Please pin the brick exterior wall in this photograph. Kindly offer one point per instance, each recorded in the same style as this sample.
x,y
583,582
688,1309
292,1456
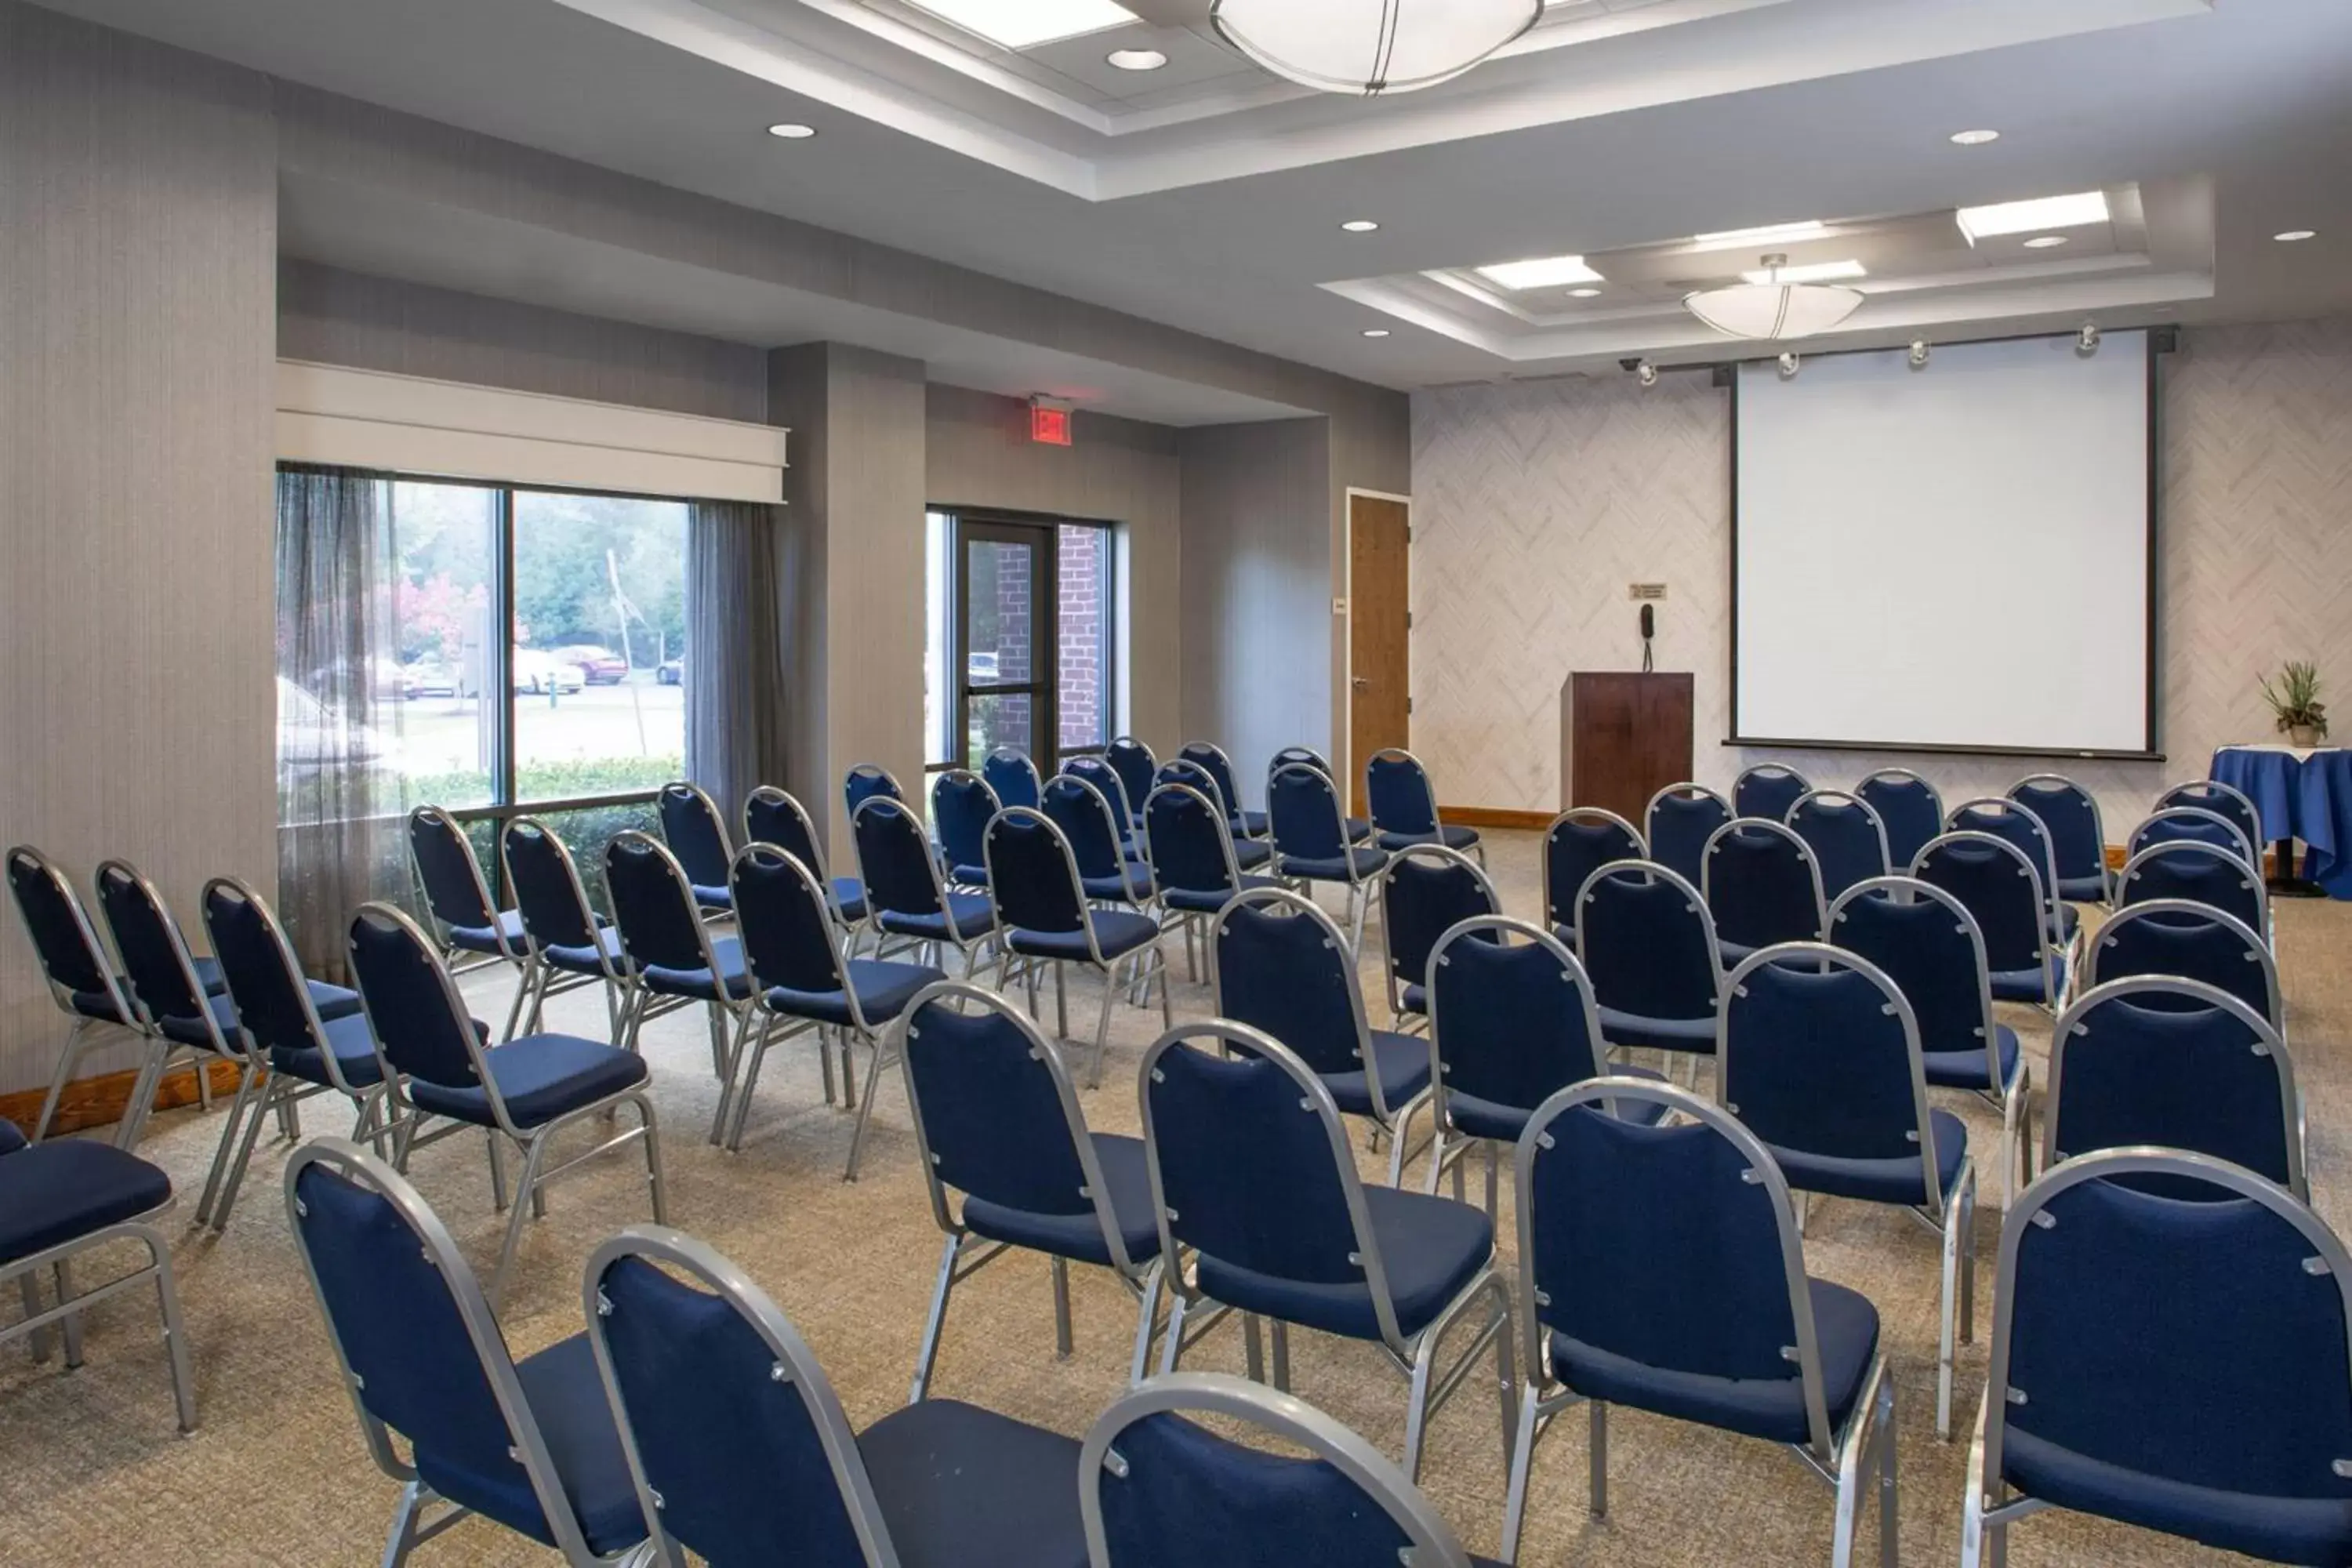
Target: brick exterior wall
x,y
1084,563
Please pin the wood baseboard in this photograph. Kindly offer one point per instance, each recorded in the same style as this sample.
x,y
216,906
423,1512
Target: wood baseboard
x,y
100,1100
1497,817
2116,858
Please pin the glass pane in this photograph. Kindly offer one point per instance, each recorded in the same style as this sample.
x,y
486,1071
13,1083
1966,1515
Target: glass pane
x,y
445,600
999,613
1082,633
1009,719
939,640
599,643
587,830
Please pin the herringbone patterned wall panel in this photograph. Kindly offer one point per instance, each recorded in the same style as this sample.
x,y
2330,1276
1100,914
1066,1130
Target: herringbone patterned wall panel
x,y
1536,504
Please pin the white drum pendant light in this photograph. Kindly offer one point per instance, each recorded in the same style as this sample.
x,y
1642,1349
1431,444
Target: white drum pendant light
x,y
1771,310
1372,46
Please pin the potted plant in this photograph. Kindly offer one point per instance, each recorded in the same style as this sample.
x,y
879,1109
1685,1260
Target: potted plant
x,y
2302,716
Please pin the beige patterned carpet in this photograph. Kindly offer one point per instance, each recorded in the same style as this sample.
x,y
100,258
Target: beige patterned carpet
x,y
92,1471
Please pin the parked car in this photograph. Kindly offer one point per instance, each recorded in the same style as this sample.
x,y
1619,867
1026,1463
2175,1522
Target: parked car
x,y
537,671
671,672
428,677
315,738
979,666
597,666
386,680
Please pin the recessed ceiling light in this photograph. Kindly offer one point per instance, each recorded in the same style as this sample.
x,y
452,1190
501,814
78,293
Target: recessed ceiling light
x,y
1376,331
2045,241
1359,226
1583,293
1744,238
1137,59
1974,138
1024,23
1542,272
1813,272
792,131
2025,217
2293,234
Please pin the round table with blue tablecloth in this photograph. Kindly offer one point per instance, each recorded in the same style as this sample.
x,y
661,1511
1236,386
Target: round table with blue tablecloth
x,y
2301,794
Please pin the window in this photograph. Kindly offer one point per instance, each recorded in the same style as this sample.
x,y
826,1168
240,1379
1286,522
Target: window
x,y
1019,637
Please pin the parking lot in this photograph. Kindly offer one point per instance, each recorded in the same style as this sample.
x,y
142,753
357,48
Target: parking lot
x,y
638,718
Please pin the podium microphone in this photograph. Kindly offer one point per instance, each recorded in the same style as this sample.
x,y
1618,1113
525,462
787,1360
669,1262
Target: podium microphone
x,y
1649,630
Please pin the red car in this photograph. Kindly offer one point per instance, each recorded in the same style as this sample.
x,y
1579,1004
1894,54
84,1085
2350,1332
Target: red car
x,y
598,665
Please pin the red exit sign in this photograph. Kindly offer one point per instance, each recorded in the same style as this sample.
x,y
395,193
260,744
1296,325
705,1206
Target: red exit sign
x,y
1049,423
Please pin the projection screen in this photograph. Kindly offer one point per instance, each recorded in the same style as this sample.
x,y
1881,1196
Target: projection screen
x,y
1952,557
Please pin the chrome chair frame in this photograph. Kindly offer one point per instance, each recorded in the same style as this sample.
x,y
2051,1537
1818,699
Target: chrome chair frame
x,y
1843,797
1543,855
540,979
442,821
1694,903
2056,961
731,1017
1011,755
977,950
2137,840
947,859
711,814
1193,751
1406,1022
2098,826
77,1042
1194,923
1770,829
2045,871
162,1054
1768,770
2267,928
1901,778
1358,886
2203,792
774,797
2257,949
1429,790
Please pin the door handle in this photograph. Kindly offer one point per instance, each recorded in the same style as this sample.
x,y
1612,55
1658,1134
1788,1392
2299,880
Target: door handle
x,y
1361,684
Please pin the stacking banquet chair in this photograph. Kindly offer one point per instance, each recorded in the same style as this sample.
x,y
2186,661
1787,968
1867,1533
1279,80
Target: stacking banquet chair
x,y
962,805
1511,1024
291,1053
1106,870
1999,887
733,1446
1012,775
567,946
2177,1366
2191,824
81,978
1281,966
1159,1491
2020,824
1404,805
2226,800
1424,891
1249,854
1128,810
1925,940
1310,841
524,1092
1041,905
1279,1226
1137,768
1210,757
864,783
2077,840
800,981
1580,841
771,816
696,836
1679,821
1193,862
457,897
1908,806
1648,947
1762,885
1359,829
1661,1268
1848,840
674,961
1820,1059
2192,942
997,1120
60,1200
2201,874
904,891
1767,790
528,1445
2174,1064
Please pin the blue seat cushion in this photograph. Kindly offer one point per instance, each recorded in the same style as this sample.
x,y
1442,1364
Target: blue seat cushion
x,y
972,875
1117,933
354,1048
1504,1123
726,952
1735,954
1403,1061
209,975
1080,1235
1430,1247
1135,883
971,914
588,960
51,1192
961,1486
1357,829
2091,889
1845,1327
539,1076
1248,823
1899,1180
331,1002
1447,833
1249,854
1633,1031
713,896
850,894
2271,1529
1356,865
1966,1069
12,1137
97,1005
486,939
1199,901
1414,997
884,988
2020,985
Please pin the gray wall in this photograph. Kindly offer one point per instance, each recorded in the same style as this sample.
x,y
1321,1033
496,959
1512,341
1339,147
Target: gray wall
x,y
138,254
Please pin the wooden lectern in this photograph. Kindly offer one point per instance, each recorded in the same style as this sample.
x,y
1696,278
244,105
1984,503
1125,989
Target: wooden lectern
x,y
1622,738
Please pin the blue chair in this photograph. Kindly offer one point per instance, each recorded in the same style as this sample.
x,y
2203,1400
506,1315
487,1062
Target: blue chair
x,y
457,897
2163,1062
1679,821
1136,767
869,780
1648,947
996,1119
1193,864
525,1093
1106,780
1908,806
1511,1024
1359,829
1761,886
2077,840
1282,966
528,1445
674,961
961,805
1999,887
1279,1225
771,816
1925,940
1848,840
82,979
905,892
1013,777
1820,1059
2199,874
2192,825
1041,903
1661,1268
1404,805
2176,1366
696,836
1309,830
2227,800
1159,1491
1249,854
567,946
2193,942
801,980
1211,758
1580,841
738,1449
1108,872
60,1200
1767,790
2018,824
1426,890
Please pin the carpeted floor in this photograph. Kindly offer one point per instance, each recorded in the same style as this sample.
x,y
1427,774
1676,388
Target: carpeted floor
x,y
91,1470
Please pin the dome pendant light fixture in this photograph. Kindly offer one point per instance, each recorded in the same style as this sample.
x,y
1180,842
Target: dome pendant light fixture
x,y
1771,310
1366,48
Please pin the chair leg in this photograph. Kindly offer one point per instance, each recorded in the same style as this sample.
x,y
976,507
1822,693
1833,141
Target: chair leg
x,y
29,1285
255,1118
143,1090
1167,1008
1173,1348
71,1323
1515,1492
865,1111
1944,1348
67,1056
1417,1409
1253,1349
1890,1537
1597,1461
175,1334
1983,1544
1145,1321
1102,1024
1061,1309
657,1190
497,1171
514,1008
1062,999
824,1062
403,1525
1278,1338
750,1058
523,1210
247,1078
929,1353
848,1070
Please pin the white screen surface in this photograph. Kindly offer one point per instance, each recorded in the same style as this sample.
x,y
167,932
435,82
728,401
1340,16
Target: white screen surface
x,y
1954,555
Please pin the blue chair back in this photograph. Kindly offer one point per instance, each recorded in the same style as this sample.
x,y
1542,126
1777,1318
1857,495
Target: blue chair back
x,y
2227,800
1135,764
866,782
1909,807
1646,943
1848,840
962,804
653,906
1090,825
1307,755
773,816
2077,840
1188,841
1925,940
1998,886
2193,942
893,859
1192,775
2201,874
154,955
2017,824
1820,1052
548,894
1111,787
696,833
1762,885
1304,814
455,889
420,1023
67,948
1013,777
265,982
1580,841
1399,794
2190,824
1424,891
1033,877
1282,966
1210,757
785,922
1680,820
1511,1016
1767,790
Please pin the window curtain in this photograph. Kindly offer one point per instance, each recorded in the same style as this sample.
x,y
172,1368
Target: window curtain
x,y
340,837
734,654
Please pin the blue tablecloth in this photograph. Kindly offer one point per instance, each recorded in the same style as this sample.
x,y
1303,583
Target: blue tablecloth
x,y
2308,798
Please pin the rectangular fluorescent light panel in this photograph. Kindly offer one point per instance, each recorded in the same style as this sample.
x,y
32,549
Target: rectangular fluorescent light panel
x,y
1741,238
2034,216
1544,272
1812,272
1024,23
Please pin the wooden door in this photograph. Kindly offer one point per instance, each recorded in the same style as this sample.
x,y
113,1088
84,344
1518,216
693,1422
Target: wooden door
x,y
1380,705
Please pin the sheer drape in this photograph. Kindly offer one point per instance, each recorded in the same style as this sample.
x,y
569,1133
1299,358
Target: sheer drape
x,y
734,659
